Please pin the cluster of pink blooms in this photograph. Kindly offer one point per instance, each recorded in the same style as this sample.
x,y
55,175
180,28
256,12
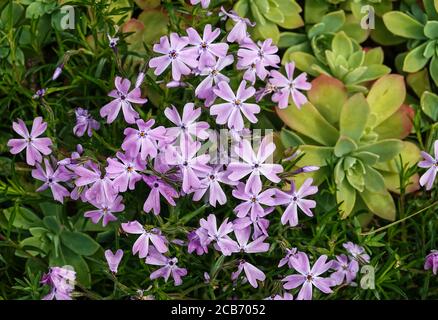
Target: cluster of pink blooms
x,y
61,282
168,160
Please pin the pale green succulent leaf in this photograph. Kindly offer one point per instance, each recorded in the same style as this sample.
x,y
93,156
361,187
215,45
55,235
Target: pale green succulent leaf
x,y
373,72
415,59
342,45
429,104
431,29
354,117
381,204
346,197
374,180
309,122
356,179
303,61
403,25
344,146
386,96
315,155
433,69
374,56
367,158
385,149
328,95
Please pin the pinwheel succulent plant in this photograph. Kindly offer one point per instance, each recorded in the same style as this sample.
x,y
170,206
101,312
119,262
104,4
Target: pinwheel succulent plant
x,y
421,29
343,58
269,15
357,139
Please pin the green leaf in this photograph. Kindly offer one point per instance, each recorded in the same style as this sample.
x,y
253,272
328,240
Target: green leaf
x,y
431,29
315,155
342,45
356,178
23,218
373,72
385,149
354,117
381,204
401,24
367,158
415,59
290,139
268,30
275,15
346,196
429,105
303,61
79,243
289,39
309,122
291,11
52,224
386,96
241,8
397,126
344,146
374,180
382,35
433,69
328,95
419,81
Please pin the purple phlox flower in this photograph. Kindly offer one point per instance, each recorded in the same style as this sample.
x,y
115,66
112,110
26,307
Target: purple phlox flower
x,y
258,57
194,242
305,169
57,72
256,246
206,277
175,54
112,41
238,33
204,48
144,140
71,162
176,84
431,163
255,165
345,269
52,178
222,242
190,165
295,199
211,184
239,135
122,100
62,282
178,242
357,252
231,111
34,146
291,254
84,123
105,210
125,173
99,187
204,3
168,267
262,92
252,200
142,245
140,79
432,261
309,277
39,93
213,76
259,224
113,259
252,273
289,87
186,125
285,296
158,187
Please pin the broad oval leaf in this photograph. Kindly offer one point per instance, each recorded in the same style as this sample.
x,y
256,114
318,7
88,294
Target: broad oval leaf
x,y
79,243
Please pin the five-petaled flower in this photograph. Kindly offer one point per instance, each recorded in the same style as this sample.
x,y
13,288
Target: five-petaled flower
x,y
142,245
122,100
52,179
34,146
431,163
286,87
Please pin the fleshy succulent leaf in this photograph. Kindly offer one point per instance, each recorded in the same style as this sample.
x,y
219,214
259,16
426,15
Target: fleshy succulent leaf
x,y
403,25
386,96
380,203
429,105
344,146
398,125
354,117
346,196
328,95
309,122
385,149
